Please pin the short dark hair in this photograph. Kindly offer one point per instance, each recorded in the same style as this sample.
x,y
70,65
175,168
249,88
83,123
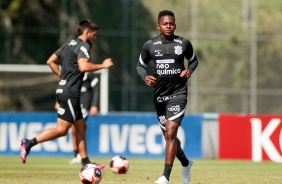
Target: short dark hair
x,y
86,24
164,13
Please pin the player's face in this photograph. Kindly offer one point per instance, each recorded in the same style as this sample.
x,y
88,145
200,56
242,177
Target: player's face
x,y
166,25
91,37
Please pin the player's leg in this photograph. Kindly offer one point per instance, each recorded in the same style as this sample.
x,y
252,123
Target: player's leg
x,y
77,158
73,140
181,155
171,141
175,113
80,128
185,162
160,107
80,132
170,146
170,133
66,117
60,130
80,125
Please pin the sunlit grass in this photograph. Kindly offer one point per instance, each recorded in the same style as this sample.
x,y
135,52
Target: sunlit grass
x,y
46,170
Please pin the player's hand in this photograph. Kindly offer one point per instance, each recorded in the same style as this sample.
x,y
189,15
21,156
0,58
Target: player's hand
x,y
186,73
107,62
93,110
56,106
150,80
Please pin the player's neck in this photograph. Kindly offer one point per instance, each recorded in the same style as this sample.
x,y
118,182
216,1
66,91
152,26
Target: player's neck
x,y
170,37
83,37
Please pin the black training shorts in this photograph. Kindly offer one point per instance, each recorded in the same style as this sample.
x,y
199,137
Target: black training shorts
x,y
170,108
70,108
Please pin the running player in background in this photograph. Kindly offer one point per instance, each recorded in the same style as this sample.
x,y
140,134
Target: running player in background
x,y
166,52
89,99
75,61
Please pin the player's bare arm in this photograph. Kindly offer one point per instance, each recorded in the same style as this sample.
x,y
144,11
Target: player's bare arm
x,y
53,64
85,65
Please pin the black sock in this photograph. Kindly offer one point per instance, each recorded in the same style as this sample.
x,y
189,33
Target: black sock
x,y
30,143
33,142
75,152
85,161
167,170
183,159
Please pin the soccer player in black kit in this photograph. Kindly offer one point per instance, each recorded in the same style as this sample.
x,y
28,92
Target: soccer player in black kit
x,y
167,52
89,98
75,61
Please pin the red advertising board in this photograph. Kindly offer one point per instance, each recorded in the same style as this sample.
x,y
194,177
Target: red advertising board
x,y
253,137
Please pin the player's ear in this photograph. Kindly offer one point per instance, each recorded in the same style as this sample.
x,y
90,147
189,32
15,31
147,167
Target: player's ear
x,y
87,33
158,26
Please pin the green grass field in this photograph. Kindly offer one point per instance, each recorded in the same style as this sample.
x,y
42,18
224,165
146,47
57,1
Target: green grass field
x,y
46,170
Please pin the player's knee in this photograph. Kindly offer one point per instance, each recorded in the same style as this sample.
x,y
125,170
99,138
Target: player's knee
x,y
81,129
63,132
170,137
170,134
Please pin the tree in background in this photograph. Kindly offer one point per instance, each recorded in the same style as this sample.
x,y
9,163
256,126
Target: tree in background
x,y
222,43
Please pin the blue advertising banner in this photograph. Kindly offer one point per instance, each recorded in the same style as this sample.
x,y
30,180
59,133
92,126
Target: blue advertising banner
x,y
127,134
15,126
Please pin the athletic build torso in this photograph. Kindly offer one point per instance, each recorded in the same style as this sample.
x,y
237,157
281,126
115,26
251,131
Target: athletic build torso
x,y
167,62
71,77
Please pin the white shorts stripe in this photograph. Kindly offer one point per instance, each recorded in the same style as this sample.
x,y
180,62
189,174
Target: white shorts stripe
x,y
71,109
177,115
162,126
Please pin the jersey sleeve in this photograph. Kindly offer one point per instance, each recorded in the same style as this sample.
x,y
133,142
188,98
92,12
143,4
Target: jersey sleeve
x,y
58,52
144,59
83,51
190,55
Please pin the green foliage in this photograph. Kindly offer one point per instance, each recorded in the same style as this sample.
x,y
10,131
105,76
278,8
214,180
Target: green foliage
x,y
32,30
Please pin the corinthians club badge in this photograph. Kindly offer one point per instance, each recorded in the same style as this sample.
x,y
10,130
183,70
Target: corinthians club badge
x,y
178,50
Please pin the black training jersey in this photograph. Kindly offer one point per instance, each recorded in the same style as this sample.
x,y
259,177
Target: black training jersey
x,y
167,61
71,77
